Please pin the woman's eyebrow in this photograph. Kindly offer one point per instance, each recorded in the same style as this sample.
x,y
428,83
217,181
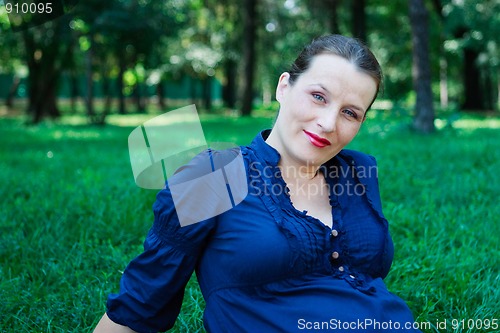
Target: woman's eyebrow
x,y
321,86
358,108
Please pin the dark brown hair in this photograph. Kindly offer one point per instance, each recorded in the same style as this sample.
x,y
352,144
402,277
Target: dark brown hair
x,y
351,49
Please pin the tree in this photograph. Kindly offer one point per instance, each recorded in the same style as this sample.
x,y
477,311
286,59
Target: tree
x,y
227,17
119,40
472,30
90,27
333,25
47,49
424,110
327,12
285,29
11,51
249,54
358,20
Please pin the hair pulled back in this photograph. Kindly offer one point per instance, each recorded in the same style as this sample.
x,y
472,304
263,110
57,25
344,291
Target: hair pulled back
x,y
351,49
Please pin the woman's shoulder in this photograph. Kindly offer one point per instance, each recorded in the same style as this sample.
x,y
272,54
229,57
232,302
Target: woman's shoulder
x,y
213,182
205,163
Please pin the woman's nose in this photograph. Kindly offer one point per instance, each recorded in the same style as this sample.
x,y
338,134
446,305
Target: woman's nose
x,y
328,119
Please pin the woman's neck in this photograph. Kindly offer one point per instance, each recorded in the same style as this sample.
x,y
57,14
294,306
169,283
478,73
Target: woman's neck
x,y
297,171
291,168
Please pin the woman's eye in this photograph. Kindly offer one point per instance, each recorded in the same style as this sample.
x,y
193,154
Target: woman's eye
x,y
351,113
318,97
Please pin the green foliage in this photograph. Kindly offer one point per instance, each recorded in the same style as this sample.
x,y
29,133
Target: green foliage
x,y
393,49
156,40
72,218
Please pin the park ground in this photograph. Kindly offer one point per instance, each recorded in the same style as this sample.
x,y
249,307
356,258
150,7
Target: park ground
x,y
72,217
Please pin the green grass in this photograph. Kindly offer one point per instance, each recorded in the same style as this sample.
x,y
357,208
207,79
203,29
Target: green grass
x,y
72,218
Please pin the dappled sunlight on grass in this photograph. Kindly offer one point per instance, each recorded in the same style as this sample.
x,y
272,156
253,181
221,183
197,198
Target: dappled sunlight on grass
x,y
474,123
382,123
130,120
73,134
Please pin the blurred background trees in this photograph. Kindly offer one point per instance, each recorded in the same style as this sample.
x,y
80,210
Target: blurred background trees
x,y
130,55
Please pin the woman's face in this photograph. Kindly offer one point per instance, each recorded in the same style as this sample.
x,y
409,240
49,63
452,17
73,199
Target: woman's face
x,y
322,111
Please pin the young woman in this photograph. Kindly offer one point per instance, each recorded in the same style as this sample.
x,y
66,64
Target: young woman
x,y
308,247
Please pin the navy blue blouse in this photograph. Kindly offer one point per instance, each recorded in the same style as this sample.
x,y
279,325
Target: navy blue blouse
x,y
264,266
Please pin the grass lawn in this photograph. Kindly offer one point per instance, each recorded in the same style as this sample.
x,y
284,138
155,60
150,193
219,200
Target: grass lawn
x,y
72,218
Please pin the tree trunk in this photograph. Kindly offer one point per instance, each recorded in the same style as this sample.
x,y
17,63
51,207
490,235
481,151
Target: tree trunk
x,y
160,92
207,93
9,101
443,81
333,23
443,62
89,96
229,89
42,100
121,73
106,89
138,98
424,110
249,55
359,19
33,73
489,91
43,76
498,89
472,81
326,11
51,98
74,90
192,89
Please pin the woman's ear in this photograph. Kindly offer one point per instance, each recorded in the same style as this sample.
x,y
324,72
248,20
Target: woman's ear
x,y
283,83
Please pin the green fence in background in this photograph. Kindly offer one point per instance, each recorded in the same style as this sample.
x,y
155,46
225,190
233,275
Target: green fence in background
x,y
184,88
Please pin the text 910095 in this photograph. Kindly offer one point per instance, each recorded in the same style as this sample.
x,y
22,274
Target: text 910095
x,y
24,14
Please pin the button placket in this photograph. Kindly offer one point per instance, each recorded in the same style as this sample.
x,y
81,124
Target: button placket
x,y
335,251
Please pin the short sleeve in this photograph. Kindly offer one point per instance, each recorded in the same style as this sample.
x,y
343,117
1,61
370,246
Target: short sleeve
x,y
152,285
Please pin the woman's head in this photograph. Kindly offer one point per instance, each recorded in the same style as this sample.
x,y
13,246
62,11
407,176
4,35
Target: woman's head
x,y
324,99
348,48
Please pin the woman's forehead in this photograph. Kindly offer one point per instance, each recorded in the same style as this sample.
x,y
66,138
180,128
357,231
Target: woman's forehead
x,y
335,74
330,69
325,65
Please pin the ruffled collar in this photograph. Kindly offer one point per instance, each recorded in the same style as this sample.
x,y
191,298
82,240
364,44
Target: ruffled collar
x,y
264,150
271,156
344,160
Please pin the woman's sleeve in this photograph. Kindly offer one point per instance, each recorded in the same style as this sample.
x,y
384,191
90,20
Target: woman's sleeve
x,y
152,285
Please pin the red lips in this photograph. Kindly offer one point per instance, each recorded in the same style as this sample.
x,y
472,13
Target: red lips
x,y
317,140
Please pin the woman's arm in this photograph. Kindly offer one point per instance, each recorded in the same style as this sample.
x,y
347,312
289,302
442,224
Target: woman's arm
x,y
106,325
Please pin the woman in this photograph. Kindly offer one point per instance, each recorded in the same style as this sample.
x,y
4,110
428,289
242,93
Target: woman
x,y
308,247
